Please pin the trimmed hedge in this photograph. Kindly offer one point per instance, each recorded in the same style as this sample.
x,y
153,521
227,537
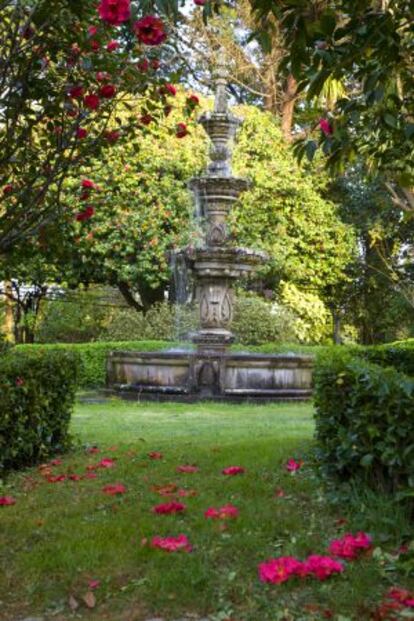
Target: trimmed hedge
x,y
92,356
399,355
37,395
365,419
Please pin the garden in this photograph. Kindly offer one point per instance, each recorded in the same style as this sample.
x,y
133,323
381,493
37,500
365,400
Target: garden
x,y
207,400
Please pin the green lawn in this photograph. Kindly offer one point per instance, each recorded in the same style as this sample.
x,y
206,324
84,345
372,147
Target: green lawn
x,y
59,536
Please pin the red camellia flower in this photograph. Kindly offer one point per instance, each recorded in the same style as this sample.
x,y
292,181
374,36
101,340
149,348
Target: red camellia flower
x,y
8,189
102,76
19,381
81,216
155,64
58,478
326,127
94,584
107,462
81,133
114,12
146,119
112,46
92,31
76,92
114,489
278,570
155,455
150,30
200,2
91,101
233,470
227,511
181,130
95,45
143,65
75,477
169,88
169,507
172,544
7,501
292,465
107,91
187,468
349,546
88,184
321,567
112,135
193,100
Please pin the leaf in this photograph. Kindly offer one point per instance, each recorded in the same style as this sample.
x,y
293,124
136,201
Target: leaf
x,y
89,599
73,603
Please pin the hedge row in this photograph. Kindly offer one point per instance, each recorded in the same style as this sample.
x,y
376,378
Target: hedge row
x,y
37,390
92,356
365,417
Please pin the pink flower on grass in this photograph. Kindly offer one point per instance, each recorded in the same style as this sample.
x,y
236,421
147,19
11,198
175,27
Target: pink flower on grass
x,y
278,570
94,584
321,567
59,478
187,468
185,493
233,470
7,501
349,546
155,455
114,489
222,513
325,127
172,544
292,465
75,477
168,508
107,462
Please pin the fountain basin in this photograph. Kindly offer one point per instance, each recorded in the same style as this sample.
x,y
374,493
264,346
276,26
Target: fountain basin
x,y
195,375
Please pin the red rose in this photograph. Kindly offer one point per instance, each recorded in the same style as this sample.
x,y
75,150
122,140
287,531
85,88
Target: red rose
x,y
146,119
76,92
114,12
181,130
112,135
92,102
107,91
150,30
112,46
81,133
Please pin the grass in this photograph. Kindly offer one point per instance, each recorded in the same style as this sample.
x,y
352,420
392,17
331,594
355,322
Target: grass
x,y
57,537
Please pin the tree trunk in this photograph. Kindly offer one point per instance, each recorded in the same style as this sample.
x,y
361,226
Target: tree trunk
x,y
288,107
336,317
8,327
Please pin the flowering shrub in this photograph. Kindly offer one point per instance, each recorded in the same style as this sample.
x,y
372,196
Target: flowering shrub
x,y
37,391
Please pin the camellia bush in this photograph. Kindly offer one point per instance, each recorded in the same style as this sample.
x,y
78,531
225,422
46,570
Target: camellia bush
x,y
68,67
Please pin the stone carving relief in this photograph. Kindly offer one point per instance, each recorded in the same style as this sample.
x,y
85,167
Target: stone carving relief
x,y
216,306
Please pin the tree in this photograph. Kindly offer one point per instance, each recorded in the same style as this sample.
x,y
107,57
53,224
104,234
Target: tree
x,y
64,70
369,45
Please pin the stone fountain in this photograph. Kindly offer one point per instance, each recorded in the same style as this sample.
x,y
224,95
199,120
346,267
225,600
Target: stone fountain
x,y
211,370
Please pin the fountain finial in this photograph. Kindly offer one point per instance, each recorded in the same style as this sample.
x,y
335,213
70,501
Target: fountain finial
x,y
221,79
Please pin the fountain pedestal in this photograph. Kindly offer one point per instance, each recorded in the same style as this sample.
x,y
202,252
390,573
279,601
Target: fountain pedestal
x,y
212,371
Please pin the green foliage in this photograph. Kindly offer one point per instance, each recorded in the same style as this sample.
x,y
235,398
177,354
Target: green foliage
x,y
283,213
399,355
364,421
92,356
73,317
313,322
37,394
257,321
